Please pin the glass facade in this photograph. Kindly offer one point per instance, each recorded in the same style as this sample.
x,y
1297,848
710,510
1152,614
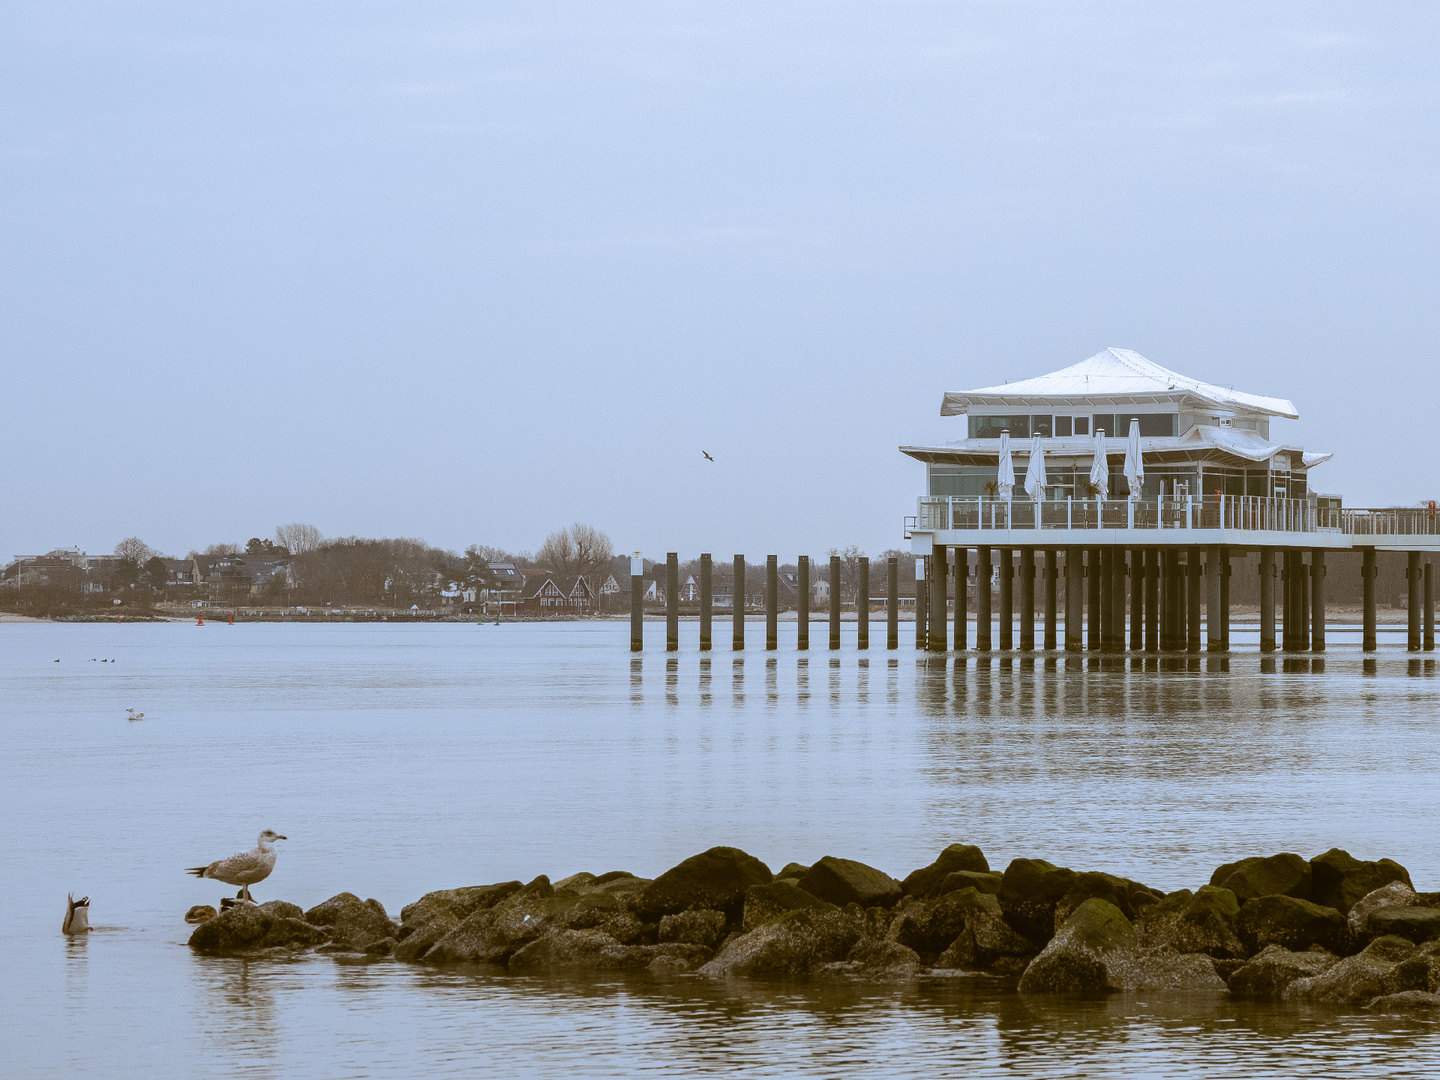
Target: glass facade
x,y
1046,425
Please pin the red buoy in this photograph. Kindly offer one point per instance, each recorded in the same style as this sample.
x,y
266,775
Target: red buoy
x,y
200,619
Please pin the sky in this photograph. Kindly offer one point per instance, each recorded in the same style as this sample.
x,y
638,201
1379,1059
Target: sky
x,y
473,271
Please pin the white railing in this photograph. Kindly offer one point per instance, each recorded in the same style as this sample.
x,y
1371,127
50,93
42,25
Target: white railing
x,y
1391,521
1234,512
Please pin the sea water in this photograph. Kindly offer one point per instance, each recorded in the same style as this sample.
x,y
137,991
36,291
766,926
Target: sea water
x,y
401,758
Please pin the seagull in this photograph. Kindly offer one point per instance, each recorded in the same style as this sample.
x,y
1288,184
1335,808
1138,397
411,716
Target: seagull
x,y
707,456
134,715
245,869
77,915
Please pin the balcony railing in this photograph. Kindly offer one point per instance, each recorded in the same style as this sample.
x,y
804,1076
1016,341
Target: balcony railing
x,y
1241,513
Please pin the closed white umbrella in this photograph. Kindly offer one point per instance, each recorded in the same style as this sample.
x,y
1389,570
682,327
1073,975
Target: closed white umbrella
x,y
1006,479
1134,460
1100,468
1035,478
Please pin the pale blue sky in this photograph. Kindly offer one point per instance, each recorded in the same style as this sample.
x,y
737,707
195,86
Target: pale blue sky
x,y
472,271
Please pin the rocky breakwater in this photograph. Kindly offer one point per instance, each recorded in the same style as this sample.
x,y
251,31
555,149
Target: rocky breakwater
x,y
1331,929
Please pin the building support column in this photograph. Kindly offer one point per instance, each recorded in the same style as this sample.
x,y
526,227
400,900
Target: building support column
x,y
737,606
1092,599
962,598
802,602
1287,600
922,605
1050,622
1107,598
1225,598
982,599
1137,599
892,603
1007,599
772,602
672,602
1267,600
1212,600
1152,601
1429,626
1302,603
1367,587
862,605
1413,601
637,603
1027,599
1074,600
836,595
1192,601
1317,600
1169,558
1120,581
707,601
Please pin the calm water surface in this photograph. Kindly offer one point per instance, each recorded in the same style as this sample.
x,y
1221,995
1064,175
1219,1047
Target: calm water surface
x,y
404,758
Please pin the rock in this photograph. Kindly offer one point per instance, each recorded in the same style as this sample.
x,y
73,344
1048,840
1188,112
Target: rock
x,y
1406,1001
845,881
794,944
1129,896
1417,924
1361,978
791,870
766,903
568,949
930,926
698,926
1285,874
1029,892
876,960
968,879
1201,922
1341,881
1395,894
1268,974
282,909
416,941
246,929
1073,962
383,947
985,939
619,875
1422,969
714,879
1295,924
927,881
576,881
199,913
1162,969
628,930
351,921
458,903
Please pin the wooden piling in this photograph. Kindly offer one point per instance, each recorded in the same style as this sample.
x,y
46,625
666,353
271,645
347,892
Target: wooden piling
x,y
772,602
1225,598
707,601
1027,599
1118,581
862,605
1007,599
1212,600
1107,598
982,599
835,604
1092,599
1192,600
1317,600
672,602
1074,599
1051,573
922,605
1413,600
637,603
802,601
892,603
1302,603
938,611
1152,601
1137,599
737,606
962,598
1367,586
1429,619
1267,600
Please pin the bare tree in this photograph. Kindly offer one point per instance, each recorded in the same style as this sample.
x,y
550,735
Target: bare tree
x,y
135,550
849,570
298,538
580,549
220,551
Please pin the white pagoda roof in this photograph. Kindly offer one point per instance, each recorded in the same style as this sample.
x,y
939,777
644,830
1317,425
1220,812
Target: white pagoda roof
x,y
1118,376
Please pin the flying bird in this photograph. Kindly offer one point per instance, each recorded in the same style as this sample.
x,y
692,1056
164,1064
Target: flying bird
x,y
245,869
707,455
77,915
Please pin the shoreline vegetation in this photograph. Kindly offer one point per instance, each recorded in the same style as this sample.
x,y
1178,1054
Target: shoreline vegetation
x,y
1332,929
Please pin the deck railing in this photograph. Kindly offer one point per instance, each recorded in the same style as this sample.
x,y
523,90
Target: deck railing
x,y
1242,513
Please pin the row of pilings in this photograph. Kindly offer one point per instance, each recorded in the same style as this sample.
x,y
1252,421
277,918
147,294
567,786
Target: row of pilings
x,y
1144,599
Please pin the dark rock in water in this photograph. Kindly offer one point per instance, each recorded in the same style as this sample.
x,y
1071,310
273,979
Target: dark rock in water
x,y
282,909
1361,978
930,927
845,881
1226,968
351,921
1268,974
1395,894
927,881
435,914
569,949
876,960
1286,874
1201,922
617,875
1341,881
1129,896
796,943
1029,892
199,913
1422,968
1073,962
969,879
247,929
1417,924
766,903
698,926
714,879
791,870
628,930
985,939
383,947
1295,924
1406,1001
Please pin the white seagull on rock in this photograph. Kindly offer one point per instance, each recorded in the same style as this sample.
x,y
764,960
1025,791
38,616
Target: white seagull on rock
x,y
246,868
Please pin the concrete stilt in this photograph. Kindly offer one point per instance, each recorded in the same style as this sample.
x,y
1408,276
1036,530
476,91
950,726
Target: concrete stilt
x,y
772,602
1092,599
862,605
1212,600
737,606
1119,582
637,603
1287,600
982,599
1413,600
672,602
892,603
1317,600
962,598
1027,599
1192,601
1225,598
1007,599
836,601
1050,606
1267,600
1367,586
1074,599
707,601
922,606
1107,598
802,602
1137,599
1429,620
1152,601
1302,603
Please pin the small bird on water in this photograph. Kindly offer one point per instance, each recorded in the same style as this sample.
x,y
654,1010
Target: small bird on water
x,y
77,915
244,869
134,715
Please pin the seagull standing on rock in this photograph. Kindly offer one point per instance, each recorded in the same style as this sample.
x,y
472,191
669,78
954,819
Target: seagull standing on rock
x,y
244,869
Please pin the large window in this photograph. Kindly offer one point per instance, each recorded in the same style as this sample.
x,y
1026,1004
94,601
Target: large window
x,y
1046,425
962,481
989,427
1152,425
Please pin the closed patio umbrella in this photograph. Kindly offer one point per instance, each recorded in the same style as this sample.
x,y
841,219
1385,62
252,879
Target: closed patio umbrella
x,y
1035,479
1134,461
1100,468
1006,479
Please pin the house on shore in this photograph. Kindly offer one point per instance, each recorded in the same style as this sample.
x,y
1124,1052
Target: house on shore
x,y
553,595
